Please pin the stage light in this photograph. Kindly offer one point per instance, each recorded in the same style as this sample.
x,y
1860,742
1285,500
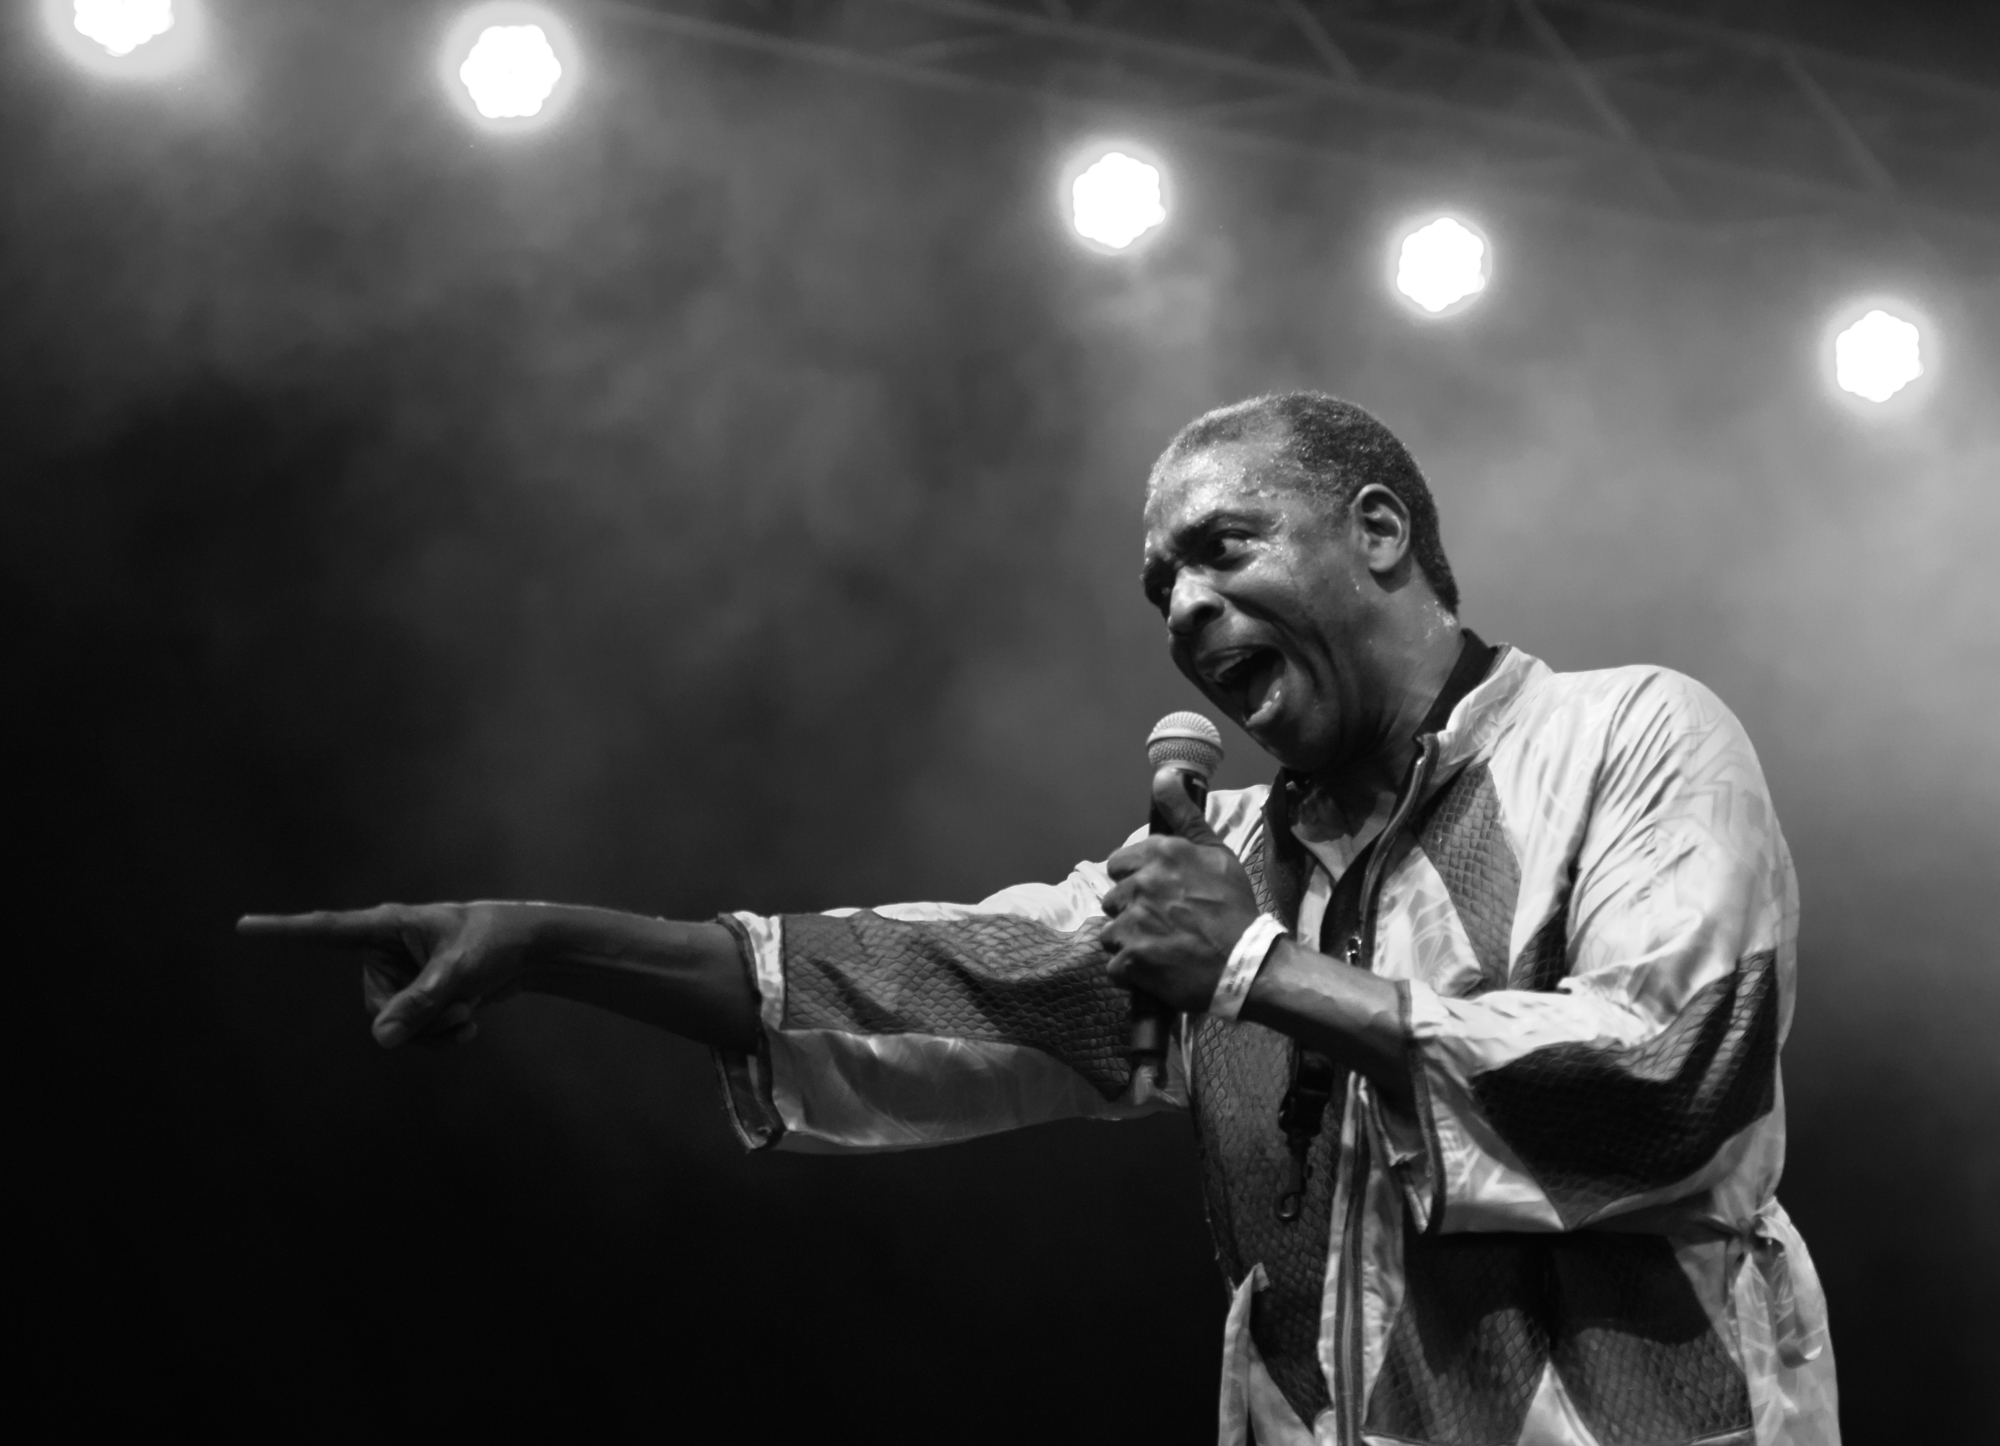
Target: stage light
x,y
1442,265
1878,356
122,26
1116,199
135,39
511,71
511,66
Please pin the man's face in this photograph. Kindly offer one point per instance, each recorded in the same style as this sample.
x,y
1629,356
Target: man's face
x,y
1268,603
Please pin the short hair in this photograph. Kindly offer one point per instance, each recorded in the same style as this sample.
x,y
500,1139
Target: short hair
x,y
1338,448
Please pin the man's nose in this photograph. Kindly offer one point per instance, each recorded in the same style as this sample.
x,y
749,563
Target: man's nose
x,y
1192,605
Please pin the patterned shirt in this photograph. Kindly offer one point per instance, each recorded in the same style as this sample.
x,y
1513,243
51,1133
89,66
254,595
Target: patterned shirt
x,y
1570,1234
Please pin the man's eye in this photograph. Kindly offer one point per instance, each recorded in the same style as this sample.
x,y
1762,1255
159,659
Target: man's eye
x,y
1227,547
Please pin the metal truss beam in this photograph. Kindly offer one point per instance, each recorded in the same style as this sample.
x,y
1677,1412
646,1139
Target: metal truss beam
x,y
1770,47
1323,44
1609,117
1870,170
1607,106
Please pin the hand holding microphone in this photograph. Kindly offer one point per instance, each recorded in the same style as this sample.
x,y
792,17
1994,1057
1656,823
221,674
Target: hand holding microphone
x,y
1181,899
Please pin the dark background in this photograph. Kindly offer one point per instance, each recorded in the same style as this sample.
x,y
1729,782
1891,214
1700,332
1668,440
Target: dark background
x,y
728,497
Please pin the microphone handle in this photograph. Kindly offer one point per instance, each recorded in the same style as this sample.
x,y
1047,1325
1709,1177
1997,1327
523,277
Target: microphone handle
x,y
1152,1021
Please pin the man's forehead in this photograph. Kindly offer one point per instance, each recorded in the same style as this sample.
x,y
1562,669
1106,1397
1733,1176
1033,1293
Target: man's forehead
x,y
1231,476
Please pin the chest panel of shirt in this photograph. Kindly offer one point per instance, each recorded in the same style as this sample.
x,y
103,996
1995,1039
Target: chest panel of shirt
x,y
1238,1074
1482,1315
1454,900
1449,1376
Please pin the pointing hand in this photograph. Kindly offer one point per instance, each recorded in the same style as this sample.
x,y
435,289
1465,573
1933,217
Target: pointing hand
x,y
424,967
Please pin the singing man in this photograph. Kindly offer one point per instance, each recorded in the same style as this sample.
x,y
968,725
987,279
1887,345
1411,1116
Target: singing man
x,y
1482,997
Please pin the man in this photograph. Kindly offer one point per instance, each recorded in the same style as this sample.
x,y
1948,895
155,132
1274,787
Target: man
x,y
1483,996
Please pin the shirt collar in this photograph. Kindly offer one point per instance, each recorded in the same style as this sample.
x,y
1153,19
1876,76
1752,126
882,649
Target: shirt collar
x,y
1467,713
1478,714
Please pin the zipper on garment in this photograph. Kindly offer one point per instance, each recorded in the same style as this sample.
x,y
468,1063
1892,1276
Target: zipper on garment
x,y
1347,1335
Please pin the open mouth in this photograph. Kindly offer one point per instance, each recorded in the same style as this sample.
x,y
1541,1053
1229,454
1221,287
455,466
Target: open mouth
x,y
1250,682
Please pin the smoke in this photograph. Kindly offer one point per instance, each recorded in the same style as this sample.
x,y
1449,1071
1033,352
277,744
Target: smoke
x,y
729,498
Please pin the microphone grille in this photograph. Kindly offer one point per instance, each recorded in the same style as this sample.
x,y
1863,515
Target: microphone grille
x,y
1187,739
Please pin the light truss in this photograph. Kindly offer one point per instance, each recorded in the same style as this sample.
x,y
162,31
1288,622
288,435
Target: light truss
x,y
1616,107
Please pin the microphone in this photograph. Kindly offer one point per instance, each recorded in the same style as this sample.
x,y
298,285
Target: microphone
x,y
1192,746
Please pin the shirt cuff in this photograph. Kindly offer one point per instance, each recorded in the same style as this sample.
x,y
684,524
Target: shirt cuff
x,y
746,1078
1244,961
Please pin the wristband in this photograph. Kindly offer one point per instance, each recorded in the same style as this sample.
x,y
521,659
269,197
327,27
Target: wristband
x,y
1244,961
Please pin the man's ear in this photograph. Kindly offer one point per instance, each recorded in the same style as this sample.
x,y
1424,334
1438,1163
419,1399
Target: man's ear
x,y
1382,528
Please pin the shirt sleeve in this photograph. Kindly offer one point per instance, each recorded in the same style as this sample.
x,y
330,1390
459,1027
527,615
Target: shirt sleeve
x,y
1633,1059
921,1024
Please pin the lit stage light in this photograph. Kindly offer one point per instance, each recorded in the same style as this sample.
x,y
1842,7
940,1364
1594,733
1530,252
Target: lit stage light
x,y
137,38
122,26
1116,199
1878,356
510,65
1442,265
511,71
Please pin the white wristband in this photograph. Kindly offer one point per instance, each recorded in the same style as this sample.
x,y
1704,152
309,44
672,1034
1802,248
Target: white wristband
x,y
1244,961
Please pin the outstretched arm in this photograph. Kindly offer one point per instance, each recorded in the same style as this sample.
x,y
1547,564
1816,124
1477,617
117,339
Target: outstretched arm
x,y
427,967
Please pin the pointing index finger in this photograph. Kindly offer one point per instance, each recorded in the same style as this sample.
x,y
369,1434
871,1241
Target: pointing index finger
x,y
323,926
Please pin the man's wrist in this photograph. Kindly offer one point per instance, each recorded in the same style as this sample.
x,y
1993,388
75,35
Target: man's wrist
x,y
547,941
1239,972
684,977
1353,1016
